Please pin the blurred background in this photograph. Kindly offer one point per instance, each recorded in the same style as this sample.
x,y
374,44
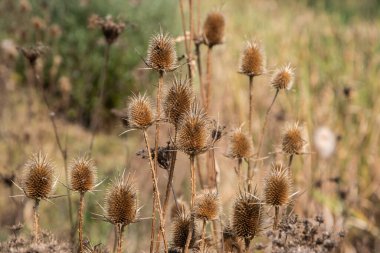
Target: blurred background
x,y
333,45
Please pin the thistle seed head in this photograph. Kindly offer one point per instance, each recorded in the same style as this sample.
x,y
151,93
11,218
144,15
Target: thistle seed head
x,y
121,202
33,53
253,62
278,186
213,28
247,219
37,179
180,230
292,141
207,205
83,174
177,101
179,207
239,146
161,53
283,78
140,112
111,29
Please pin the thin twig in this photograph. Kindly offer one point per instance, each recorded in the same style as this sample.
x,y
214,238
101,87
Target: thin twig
x,y
208,78
250,131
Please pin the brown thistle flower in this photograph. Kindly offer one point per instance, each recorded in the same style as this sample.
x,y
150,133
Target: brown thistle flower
x,y
292,141
33,53
83,174
38,178
252,62
121,202
177,101
240,145
110,28
278,186
180,230
140,112
194,132
213,28
283,78
161,54
207,205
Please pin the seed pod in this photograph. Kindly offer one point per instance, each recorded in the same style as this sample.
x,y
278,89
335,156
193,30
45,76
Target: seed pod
x,y
283,78
278,186
83,174
213,28
292,141
207,205
180,230
161,53
240,145
252,62
140,112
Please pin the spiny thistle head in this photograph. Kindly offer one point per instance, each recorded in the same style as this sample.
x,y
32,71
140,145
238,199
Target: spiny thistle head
x,y
253,62
177,101
247,218
178,207
38,177
207,205
180,230
194,131
292,141
83,174
283,78
240,145
278,186
213,28
121,202
161,53
140,112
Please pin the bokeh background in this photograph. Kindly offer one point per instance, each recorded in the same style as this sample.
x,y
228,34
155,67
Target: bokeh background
x,y
333,45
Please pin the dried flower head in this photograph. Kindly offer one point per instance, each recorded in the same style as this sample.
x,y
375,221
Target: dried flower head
x,y
140,112
283,78
325,141
207,205
239,145
33,53
165,154
110,28
161,54
83,174
178,207
278,186
194,132
38,178
292,141
213,28
253,62
177,101
180,230
247,218
38,23
121,202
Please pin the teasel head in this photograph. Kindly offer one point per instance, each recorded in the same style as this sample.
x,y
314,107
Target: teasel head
x,y
278,186
111,29
177,101
161,54
178,207
180,229
194,132
140,112
207,205
82,174
253,60
38,177
121,202
292,140
247,218
283,78
213,28
239,145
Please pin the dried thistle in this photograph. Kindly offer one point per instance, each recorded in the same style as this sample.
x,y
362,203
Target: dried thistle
x,y
165,155
278,186
182,224
283,78
110,28
253,62
83,174
178,207
207,205
239,146
213,28
140,112
292,140
161,54
32,53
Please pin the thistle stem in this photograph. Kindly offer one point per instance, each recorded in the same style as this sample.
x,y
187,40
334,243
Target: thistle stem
x,y
120,230
187,46
192,170
290,162
208,78
250,170
247,242
203,243
190,56
80,221
36,226
276,213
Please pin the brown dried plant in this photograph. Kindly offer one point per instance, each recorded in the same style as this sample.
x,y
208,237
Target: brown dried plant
x,y
140,112
182,227
161,55
213,28
111,29
293,141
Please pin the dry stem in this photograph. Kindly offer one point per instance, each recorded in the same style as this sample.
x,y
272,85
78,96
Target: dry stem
x,y
250,131
120,230
36,226
275,221
80,220
208,79
192,170
203,243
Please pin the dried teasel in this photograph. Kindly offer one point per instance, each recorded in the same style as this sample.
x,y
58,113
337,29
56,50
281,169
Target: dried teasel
x,y
32,53
252,61
82,174
111,29
179,206
207,205
213,28
181,225
161,54
239,145
140,112
283,78
278,186
292,140
164,155
177,101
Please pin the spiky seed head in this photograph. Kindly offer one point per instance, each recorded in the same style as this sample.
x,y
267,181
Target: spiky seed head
x,y
161,53
177,101
38,177
283,78
83,174
278,186
178,207
194,131
240,145
292,140
207,205
121,202
180,230
253,62
140,112
213,28
247,218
